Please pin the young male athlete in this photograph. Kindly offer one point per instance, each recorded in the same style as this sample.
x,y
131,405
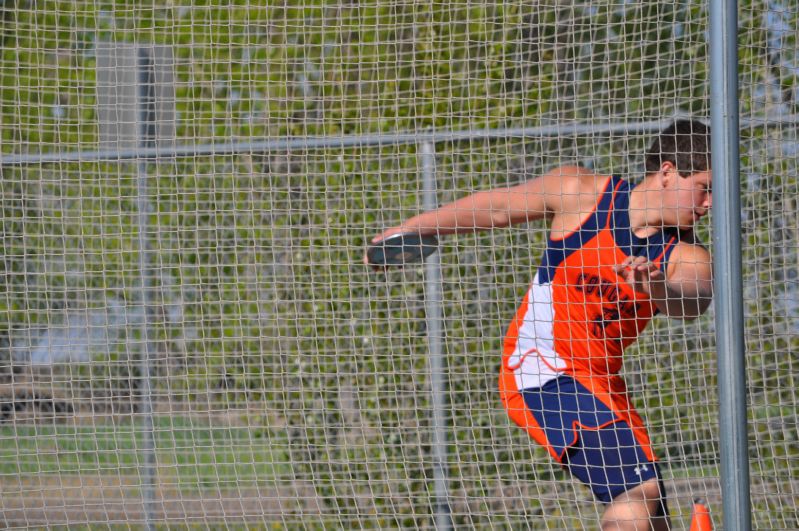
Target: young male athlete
x,y
616,255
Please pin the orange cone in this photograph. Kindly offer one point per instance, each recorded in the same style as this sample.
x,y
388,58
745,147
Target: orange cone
x,y
700,519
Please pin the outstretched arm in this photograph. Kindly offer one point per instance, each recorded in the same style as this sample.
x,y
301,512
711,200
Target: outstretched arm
x,y
535,199
685,292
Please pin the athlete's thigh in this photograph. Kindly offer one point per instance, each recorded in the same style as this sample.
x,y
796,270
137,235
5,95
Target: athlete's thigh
x,y
594,443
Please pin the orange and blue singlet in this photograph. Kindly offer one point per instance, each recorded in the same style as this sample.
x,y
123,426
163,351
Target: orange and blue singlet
x,y
563,351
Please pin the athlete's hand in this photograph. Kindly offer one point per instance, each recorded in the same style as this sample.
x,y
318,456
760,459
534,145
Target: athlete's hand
x,y
641,274
382,236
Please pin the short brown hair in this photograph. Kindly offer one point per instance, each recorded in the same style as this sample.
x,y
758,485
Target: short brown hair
x,y
685,143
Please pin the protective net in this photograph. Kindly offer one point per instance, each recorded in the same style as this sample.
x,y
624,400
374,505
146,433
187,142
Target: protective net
x,y
188,335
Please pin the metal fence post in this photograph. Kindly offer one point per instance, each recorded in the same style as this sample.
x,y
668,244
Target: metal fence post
x,y
147,136
727,265
136,115
438,383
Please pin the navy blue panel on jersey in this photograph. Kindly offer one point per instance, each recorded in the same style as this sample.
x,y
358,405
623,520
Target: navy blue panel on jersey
x,y
558,250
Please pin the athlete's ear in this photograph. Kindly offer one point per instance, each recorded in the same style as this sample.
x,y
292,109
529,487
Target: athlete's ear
x,y
668,173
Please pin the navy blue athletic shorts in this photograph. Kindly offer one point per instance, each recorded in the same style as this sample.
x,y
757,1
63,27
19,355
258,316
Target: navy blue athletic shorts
x,y
594,444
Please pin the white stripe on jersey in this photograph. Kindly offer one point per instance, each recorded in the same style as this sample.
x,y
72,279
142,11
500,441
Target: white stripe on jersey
x,y
534,362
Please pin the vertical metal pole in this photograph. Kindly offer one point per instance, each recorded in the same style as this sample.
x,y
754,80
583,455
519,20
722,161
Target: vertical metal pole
x,y
727,265
438,384
147,135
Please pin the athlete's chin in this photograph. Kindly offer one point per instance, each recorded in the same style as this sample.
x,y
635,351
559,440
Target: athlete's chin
x,y
689,220
684,225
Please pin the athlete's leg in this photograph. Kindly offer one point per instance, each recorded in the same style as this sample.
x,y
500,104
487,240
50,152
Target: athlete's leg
x,y
638,509
602,451
620,475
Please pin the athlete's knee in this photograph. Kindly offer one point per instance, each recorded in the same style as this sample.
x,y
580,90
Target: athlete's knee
x,y
651,493
647,491
642,507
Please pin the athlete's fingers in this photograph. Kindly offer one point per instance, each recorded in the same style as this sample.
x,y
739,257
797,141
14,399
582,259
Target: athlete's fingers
x,y
624,265
382,236
657,275
386,233
633,263
645,271
646,266
624,271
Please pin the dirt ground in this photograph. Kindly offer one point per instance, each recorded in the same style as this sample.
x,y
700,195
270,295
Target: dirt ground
x,y
115,500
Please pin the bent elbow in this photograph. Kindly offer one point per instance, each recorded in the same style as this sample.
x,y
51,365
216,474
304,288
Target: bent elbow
x,y
685,309
692,312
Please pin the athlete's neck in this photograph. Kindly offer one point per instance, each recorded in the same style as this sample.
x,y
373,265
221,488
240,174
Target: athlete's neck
x,y
645,209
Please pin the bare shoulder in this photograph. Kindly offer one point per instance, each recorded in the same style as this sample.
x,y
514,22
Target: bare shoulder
x,y
690,257
574,189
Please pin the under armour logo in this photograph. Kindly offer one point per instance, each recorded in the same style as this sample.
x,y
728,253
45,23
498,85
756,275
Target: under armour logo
x,y
639,469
